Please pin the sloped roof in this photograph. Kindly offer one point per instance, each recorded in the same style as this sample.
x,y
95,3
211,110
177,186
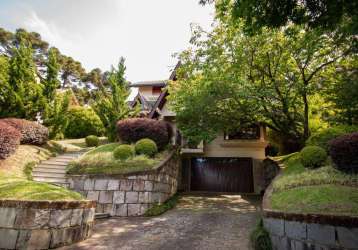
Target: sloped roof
x,y
145,104
157,83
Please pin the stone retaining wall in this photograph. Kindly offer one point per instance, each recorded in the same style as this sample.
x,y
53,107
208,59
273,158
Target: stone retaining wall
x,y
308,231
44,224
131,194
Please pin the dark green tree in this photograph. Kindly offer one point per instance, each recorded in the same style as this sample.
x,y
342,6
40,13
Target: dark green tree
x,y
51,83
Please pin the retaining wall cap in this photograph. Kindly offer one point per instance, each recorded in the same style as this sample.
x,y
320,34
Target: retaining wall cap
x,y
330,219
48,204
140,172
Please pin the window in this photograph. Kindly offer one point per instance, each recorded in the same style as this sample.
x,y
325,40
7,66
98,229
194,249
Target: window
x,y
156,90
246,133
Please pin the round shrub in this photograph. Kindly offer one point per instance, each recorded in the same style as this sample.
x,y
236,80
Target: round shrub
x,y
344,152
146,147
134,129
313,156
322,137
83,122
9,140
31,132
92,141
123,152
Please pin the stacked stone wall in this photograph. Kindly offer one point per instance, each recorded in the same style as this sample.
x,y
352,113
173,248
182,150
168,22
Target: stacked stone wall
x,y
44,224
132,194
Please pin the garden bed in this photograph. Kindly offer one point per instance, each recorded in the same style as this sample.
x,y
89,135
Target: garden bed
x,y
101,161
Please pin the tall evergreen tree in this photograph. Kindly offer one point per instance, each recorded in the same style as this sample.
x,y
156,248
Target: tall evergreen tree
x,y
51,83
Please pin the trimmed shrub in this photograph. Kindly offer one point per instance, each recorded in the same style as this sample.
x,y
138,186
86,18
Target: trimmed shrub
x,y
344,152
123,152
134,129
260,238
83,122
322,137
313,156
146,147
92,141
31,132
9,140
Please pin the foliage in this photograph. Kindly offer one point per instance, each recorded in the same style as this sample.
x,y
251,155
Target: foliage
x,y
324,14
344,152
28,170
123,152
92,141
9,140
111,103
51,83
158,209
322,137
57,115
313,156
146,147
101,161
260,238
82,122
228,79
31,132
133,129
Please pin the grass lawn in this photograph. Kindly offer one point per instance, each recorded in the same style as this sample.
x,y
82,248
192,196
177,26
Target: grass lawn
x,y
323,190
69,145
15,172
101,161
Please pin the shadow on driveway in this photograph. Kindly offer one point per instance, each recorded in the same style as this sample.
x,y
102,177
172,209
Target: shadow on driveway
x,y
200,221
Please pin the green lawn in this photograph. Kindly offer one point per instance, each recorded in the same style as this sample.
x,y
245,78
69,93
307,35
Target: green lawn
x,y
322,190
101,161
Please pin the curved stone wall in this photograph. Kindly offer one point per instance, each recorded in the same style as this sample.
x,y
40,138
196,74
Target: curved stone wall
x,y
130,194
44,224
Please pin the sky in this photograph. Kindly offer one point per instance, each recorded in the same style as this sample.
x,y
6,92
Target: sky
x,y
98,32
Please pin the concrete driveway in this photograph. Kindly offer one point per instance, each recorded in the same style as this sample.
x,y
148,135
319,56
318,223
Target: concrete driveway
x,y
217,221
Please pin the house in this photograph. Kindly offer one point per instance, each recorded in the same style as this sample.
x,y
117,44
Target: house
x,y
230,163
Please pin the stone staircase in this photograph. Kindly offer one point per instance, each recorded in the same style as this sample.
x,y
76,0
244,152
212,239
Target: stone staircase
x,y
53,170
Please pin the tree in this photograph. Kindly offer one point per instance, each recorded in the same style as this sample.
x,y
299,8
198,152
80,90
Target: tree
x,y
51,83
269,77
24,96
111,103
71,71
325,14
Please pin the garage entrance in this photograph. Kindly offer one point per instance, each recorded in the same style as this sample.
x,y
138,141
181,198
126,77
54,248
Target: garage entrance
x,y
222,175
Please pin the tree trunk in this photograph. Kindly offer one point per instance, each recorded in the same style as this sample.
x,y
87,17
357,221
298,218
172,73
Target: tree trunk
x,y
306,129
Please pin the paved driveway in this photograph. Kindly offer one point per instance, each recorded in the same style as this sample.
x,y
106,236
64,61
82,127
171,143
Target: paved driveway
x,y
198,222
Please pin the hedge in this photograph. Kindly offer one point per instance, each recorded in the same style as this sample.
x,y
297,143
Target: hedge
x,y
146,147
83,122
133,129
344,152
313,156
31,132
123,152
92,141
9,140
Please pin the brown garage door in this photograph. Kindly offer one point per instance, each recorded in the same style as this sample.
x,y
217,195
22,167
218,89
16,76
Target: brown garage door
x,y
222,175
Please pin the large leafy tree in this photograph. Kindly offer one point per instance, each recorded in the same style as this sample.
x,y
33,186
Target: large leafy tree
x,y
51,83
111,102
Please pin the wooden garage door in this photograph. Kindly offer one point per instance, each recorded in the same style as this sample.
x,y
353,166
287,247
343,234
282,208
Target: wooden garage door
x,y
222,175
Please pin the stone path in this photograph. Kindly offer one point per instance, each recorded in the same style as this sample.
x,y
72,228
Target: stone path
x,y
53,170
198,222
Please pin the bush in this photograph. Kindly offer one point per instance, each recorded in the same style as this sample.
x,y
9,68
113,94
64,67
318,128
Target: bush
x,y
92,141
260,238
83,122
134,129
344,152
31,132
322,137
9,140
146,147
313,156
123,152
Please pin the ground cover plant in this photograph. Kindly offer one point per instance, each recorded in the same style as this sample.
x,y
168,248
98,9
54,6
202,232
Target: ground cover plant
x,y
322,190
101,160
159,209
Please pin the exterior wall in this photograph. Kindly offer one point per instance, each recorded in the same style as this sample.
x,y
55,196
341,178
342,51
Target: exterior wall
x,y
236,148
147,92
312,232
130,195
44,224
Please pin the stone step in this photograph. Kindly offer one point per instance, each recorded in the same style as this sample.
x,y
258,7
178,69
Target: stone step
x,y
101,215
50,179
47,166
63,157
47,174
51,162
49,170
